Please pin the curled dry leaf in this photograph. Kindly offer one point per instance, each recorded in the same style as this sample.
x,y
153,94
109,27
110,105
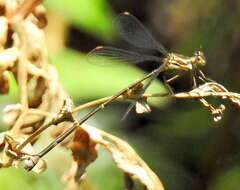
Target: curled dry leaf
x,y
84,151
211,89
123,155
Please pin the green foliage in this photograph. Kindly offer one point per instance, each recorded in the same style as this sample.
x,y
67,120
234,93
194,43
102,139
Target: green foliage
x,y
19,179
93,16
229,179
104,173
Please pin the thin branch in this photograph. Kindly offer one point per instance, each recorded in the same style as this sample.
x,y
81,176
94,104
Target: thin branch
x,y
105,99
92,103
223,95
64,115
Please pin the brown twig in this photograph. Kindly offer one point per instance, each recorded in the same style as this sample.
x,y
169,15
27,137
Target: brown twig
x,y
206,94
64,115
102,100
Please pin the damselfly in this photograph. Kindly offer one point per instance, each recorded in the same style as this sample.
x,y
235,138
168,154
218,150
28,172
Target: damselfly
x,y
134,32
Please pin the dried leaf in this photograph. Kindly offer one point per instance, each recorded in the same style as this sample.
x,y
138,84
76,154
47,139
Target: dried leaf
x,y
125,158
84,151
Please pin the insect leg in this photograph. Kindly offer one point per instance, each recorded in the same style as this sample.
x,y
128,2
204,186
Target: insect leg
x,y
203,77
166,83
193,76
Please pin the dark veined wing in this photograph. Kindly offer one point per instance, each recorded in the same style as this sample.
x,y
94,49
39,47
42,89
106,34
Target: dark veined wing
x,y
136,34
105,55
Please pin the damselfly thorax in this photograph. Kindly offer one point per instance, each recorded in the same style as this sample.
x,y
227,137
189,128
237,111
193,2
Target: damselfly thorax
x,y
180,62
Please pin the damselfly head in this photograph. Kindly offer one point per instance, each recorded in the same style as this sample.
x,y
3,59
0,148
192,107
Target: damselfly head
x,y
199,58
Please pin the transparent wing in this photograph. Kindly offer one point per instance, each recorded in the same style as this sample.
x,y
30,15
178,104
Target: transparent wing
x,y
136,34
104,55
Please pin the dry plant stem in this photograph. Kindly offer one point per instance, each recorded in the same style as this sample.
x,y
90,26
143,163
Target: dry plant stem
x,y
156,95
22,70
206,94
22,81
61,137
17,26
19,122
66,116
92,103
102,100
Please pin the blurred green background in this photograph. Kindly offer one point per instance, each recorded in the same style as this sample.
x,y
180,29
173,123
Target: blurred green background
x,y
179,139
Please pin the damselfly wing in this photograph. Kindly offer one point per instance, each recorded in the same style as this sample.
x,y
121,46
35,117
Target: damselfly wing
x,y
105,56
136,34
